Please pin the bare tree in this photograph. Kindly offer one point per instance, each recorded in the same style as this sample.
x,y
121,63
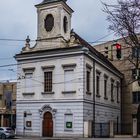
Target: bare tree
x,y
124,18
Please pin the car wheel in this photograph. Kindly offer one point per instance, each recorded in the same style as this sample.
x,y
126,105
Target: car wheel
x,y
3,136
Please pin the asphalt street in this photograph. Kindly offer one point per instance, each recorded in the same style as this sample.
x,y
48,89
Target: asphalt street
x,y
43,138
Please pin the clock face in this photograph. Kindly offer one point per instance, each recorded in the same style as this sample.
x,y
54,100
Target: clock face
x,y
49,22
65,24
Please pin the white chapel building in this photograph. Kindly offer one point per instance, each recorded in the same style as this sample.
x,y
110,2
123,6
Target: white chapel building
x,y
64,85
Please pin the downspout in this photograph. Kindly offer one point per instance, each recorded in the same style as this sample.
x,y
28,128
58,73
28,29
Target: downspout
x,y
84,89
94,98
121,102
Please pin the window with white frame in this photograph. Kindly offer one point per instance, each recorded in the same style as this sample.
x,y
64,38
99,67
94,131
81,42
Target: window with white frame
x,y
98,73
112,90
68,122
29,82
69,78
88,79
105,86
48,79
118,92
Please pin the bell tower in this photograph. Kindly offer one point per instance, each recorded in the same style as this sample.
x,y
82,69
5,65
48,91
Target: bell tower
x,y
54,20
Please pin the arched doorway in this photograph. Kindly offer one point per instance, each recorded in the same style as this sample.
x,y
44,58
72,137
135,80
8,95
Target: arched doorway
x,y
47,125
138,120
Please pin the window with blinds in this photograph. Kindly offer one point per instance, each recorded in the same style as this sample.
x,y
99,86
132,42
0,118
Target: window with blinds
x,y
29,82
68,80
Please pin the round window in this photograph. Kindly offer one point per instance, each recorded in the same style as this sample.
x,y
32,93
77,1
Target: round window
x,y
49,22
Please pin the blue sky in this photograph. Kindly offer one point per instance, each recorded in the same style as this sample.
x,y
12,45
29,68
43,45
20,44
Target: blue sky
x,y
18,18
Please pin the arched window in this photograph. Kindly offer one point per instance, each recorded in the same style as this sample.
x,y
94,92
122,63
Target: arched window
x,y
65,24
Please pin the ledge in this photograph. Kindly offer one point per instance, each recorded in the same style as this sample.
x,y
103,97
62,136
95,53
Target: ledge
x,y
28,93
51,67
97,95
44,93
88,66
26,128
105,98
112,100
118,102
29,69
88,93
73,65
68,92
68,130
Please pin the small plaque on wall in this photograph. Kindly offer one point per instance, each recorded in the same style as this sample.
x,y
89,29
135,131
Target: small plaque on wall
x,y
28,124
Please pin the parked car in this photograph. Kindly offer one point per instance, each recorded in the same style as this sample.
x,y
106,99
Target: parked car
x,y
6,132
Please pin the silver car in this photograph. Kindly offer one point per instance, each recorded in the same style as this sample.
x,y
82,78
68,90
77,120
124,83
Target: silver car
x,y
6,132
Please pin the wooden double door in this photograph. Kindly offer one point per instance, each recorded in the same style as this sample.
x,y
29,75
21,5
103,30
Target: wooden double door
x,y
47,125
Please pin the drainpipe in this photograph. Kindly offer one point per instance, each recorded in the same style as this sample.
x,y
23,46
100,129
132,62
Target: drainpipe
x,y
93,98
121,102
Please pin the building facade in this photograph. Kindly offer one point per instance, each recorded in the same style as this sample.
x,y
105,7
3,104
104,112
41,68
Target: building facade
x,y
64,84
7,104
130,86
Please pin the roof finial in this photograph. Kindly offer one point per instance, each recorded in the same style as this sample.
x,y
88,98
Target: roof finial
x,y
28,40
27,44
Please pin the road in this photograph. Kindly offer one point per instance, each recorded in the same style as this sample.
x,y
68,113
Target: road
x,y
42,138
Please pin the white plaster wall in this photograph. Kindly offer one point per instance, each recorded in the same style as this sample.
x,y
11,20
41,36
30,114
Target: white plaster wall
x,y
104,114
59,101
110,76
88,61
61,107
106,109
88,111
58,79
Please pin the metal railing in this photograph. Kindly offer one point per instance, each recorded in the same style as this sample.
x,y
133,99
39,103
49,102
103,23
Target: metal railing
x,y
101,130
123,129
